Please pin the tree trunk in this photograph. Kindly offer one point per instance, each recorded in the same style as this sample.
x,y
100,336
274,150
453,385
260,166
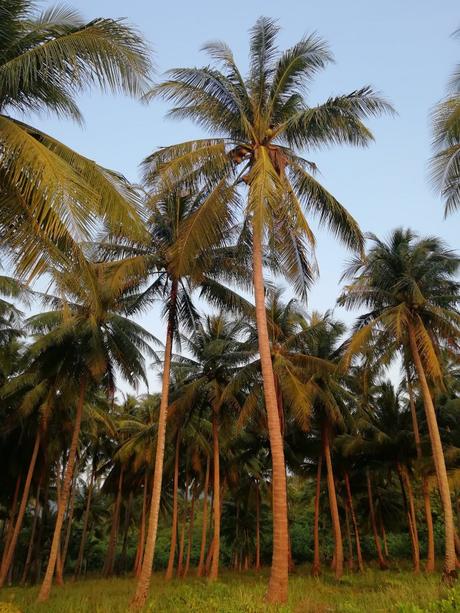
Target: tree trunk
x,y
349,541
190,534
140,545
316,568
214,571
69,525
279,576
430,558
413,516
112,547
11,520
32,535
450,572
143,583
172,549
62,503
59,479
359,555
182,532
333,504
84,533
382,563
257,526
123,561
9,552
200,570
42,524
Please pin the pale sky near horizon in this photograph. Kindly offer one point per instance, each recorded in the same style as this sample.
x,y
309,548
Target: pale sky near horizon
x,y
404,49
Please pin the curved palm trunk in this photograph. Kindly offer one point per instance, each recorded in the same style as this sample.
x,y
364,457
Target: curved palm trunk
x,y
204,528
279,576
430,558
257,527
141,539
84,533
143,584
69,527
214,570
128,512
182,530
62,503
172,550
316,568
190,533
382,563
32,535
6,562
351,562
413,516
333,504
11,519
359,555
450,571
111,550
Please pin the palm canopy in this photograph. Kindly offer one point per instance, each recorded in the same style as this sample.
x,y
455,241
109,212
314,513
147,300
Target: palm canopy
x,y
258,127
50,195
87,334
404,281
445,164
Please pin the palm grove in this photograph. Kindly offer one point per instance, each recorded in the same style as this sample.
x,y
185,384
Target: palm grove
x,y
268,415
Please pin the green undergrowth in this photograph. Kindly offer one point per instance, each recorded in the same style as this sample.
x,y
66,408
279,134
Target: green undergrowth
x,y
374,591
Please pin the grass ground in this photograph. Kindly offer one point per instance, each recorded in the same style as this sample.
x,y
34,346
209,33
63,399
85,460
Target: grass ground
x,y
372,592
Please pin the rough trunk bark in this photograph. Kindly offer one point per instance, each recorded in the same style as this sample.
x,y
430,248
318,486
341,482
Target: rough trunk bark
x,y
47,581
354,521
333,504
172,550
450,572
9,553
111,550
430,558
279,576
84,533
316,568
382,563
143,583
200,570
214,570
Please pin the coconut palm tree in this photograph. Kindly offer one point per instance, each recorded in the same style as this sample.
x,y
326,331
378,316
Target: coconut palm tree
x,y
80,343
49,194
408,285
445,164
258,127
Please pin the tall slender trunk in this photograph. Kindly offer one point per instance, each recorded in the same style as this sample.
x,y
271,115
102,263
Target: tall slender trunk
x,y
69,524
279,576
11,519
257,526
190,533
6,562
382,563
350,560
214,571
430,558
62,503
141,540
333,503
32,534
128,510
354,521
413,517
316,568
209,556
182,531
143,583
384,537
41,529
84,533
111,550
200,570
172,549
450,558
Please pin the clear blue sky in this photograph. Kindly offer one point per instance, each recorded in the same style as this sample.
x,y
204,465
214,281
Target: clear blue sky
x,y
403,48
